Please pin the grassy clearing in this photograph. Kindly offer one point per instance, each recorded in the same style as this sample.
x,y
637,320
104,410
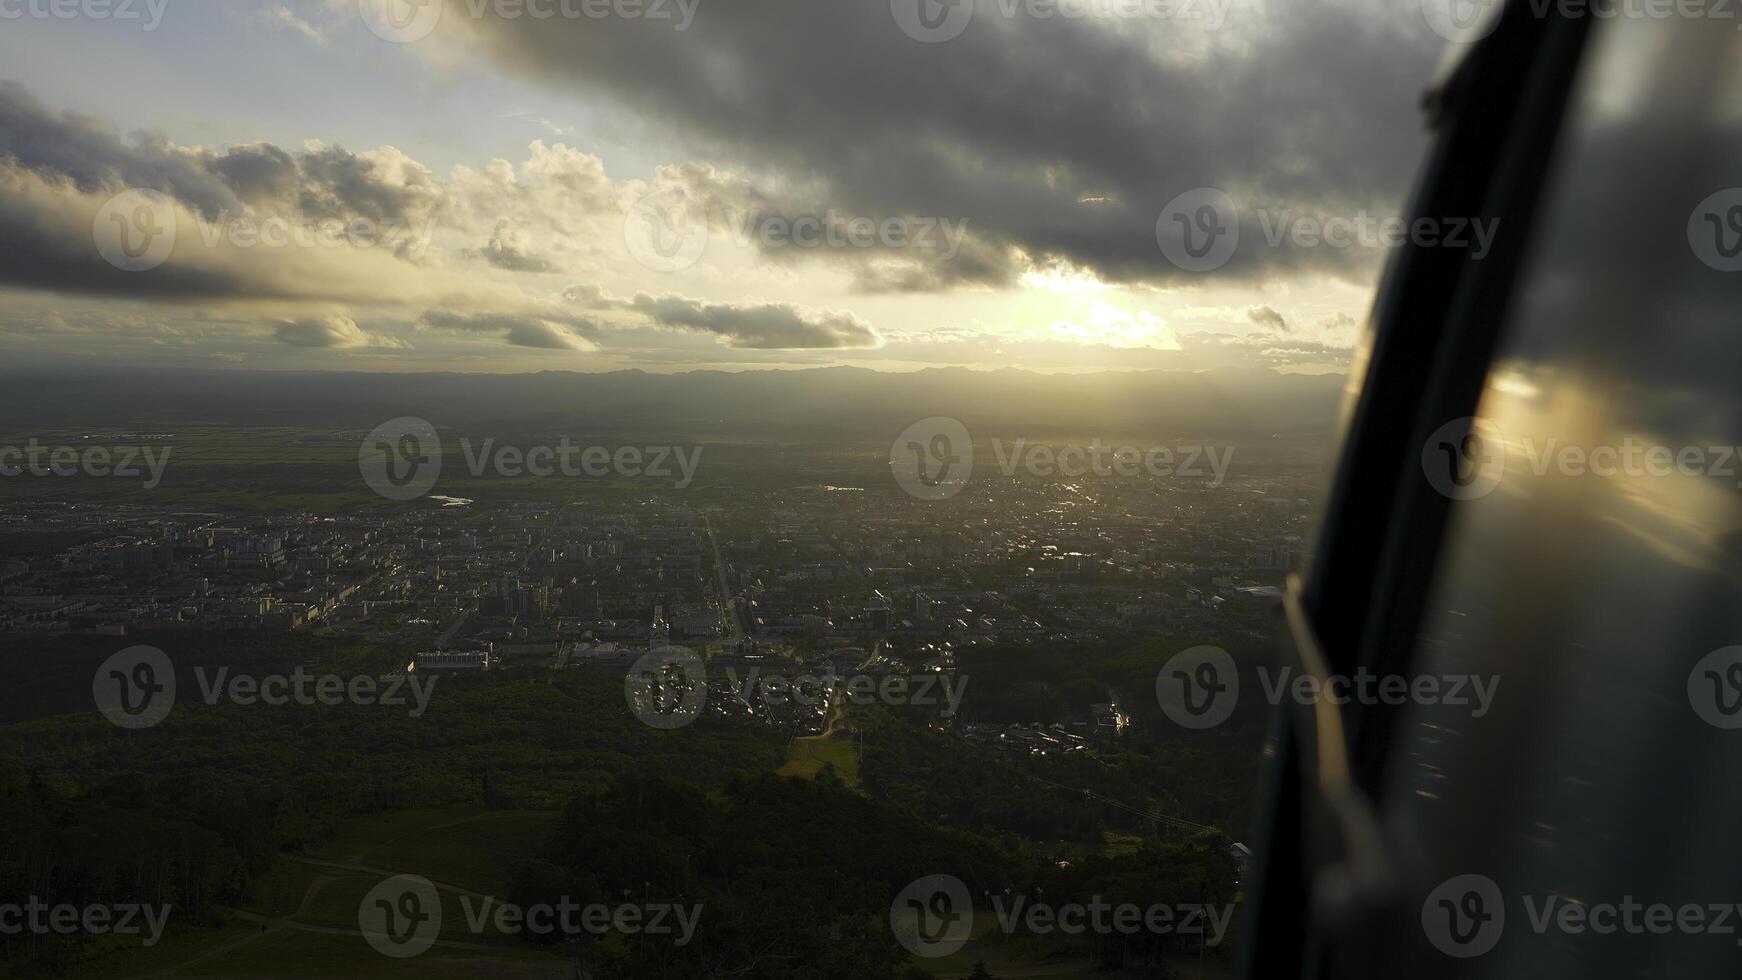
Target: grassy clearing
x,y
808,755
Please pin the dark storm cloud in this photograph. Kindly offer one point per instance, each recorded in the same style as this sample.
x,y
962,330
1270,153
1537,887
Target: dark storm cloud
x,y
329,331
774,326
57,168
1265,316
1062,137
93,156
507,251
544,332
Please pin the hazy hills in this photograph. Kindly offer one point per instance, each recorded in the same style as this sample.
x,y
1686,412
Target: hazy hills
x,y
828,402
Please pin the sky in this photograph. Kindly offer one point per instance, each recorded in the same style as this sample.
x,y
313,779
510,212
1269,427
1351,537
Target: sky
x,y
670,185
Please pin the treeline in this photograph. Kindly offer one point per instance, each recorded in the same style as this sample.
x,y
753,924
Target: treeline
x,y
1206,777
796,878
187,812
183,845
536,738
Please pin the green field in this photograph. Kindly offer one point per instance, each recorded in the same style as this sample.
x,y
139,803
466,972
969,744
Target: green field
x,y
471,849
808,756
302,918
268,469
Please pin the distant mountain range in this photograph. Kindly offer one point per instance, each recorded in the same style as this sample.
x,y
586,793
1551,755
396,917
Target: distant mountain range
x,y
822,403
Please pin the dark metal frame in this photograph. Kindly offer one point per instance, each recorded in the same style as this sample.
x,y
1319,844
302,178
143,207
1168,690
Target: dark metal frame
x,y
1323,873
